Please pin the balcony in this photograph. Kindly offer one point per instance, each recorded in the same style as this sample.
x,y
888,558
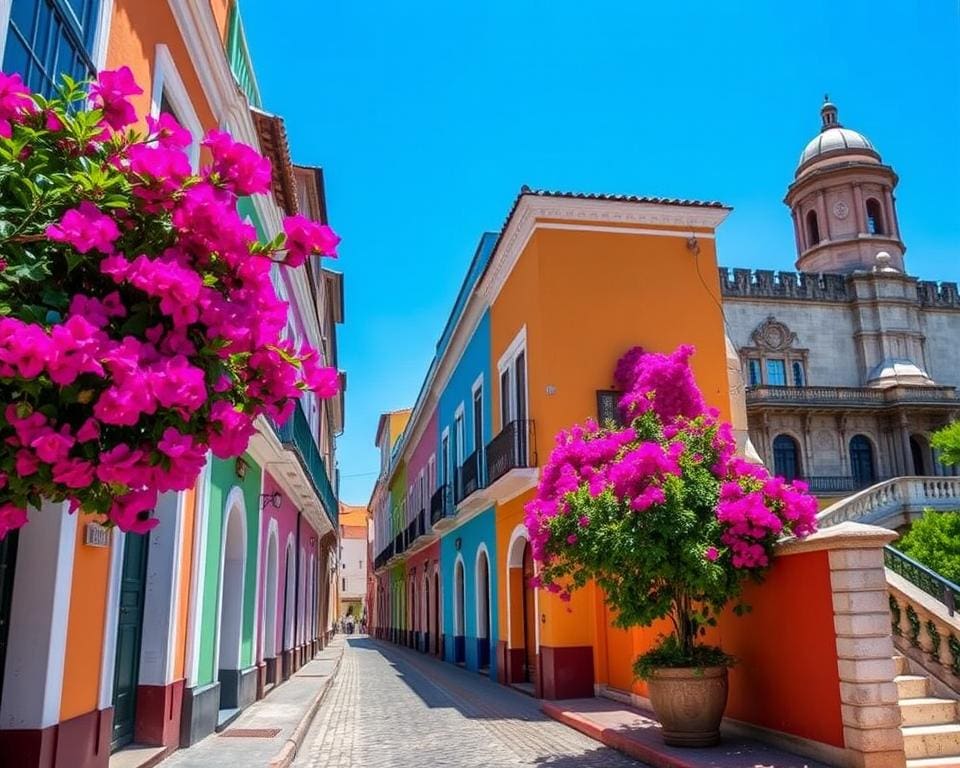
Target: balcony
x,y
512,461
381,560
400,544
837,485
297,437
417,533
441,507
868,398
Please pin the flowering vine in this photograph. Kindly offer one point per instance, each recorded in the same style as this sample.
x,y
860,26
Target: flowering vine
x,y
139,324
660,513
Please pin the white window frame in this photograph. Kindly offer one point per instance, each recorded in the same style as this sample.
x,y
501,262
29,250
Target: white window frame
x,y
432,473
422,491
508,364
460,427
445,458
167,81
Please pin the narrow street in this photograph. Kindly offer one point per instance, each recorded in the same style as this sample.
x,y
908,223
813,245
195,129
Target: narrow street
x,y
393,707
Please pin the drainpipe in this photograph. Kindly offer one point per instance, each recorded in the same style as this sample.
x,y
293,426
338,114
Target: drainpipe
x,y
296,585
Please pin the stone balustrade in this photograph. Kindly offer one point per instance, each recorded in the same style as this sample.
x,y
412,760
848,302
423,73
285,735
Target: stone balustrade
x,y
850,397
765,283
894,502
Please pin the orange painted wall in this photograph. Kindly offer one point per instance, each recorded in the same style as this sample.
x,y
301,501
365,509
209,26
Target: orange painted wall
x,y
85,623
189,513
221,12
137,27
586,297
786,678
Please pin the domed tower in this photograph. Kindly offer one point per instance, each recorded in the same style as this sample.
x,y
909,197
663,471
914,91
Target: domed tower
x,y
842,202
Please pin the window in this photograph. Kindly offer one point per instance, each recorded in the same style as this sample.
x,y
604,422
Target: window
x,y
874,217
753,372
445,457
423,491
458,436
813,229
786,458
432,474
344,583
513,381
776,373
798,378
47,38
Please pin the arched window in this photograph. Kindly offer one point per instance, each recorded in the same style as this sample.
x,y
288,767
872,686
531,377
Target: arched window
x,y
861,461
786,457
813,229
874,217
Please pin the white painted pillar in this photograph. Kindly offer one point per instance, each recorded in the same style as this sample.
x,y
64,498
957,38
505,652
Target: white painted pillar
x,y
33,677
197,570
160,612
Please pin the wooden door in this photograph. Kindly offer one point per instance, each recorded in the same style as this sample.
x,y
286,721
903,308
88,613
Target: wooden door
x,y
529,618
129,631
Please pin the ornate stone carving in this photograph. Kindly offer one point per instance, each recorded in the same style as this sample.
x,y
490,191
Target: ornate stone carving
x,y
773,335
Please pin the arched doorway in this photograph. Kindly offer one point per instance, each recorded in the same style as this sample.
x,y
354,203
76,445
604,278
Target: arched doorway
x,y
289,590
271,587
918,455
786,458
459,642
522,610
861,461
529,616
483,609
230,624
437,639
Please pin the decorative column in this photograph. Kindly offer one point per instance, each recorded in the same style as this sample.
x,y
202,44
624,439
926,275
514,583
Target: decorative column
x,y
891,213
798,233
908,468
822,214
869,705
859,209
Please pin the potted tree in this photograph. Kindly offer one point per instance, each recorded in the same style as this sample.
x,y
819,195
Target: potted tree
x,y
139,324
669,523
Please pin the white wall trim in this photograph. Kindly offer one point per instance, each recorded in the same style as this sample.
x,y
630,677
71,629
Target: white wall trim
x,y
109,653
197,570
167,81
459,616
273,540
482,550
520,532
234,505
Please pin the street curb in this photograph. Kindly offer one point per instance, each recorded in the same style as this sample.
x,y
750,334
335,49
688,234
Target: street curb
x,y
614,739
288,752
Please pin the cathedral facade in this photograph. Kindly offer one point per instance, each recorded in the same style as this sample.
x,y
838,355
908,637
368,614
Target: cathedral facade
x,y
849,363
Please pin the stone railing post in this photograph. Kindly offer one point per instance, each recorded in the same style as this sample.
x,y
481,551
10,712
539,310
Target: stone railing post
x,y
868,694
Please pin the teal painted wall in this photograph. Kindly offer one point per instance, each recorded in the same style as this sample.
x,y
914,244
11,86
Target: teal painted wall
x,y
223,478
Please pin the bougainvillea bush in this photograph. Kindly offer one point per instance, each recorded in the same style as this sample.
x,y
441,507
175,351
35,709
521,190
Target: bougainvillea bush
x,y
139,325
660,513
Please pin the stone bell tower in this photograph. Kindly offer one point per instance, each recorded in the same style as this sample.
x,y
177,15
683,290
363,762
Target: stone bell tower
x,y
842,203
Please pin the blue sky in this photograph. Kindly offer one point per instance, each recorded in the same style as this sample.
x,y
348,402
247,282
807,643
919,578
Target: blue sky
x,y
427,117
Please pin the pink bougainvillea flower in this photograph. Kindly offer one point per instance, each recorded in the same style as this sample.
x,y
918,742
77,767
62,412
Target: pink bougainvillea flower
x,y
15,102
109,93
118,465
236,166
90,430
131,511
75,348
305,237
26,463
11,518
711,554
74,473
51,446
168,132
86,229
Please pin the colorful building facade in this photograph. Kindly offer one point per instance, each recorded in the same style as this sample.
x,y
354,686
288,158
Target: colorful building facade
x,y
548,306
111,639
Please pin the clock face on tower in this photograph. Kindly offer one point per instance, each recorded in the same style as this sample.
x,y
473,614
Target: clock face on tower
x,y
840,209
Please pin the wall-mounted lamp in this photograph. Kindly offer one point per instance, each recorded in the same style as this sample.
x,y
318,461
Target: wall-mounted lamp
x,y
241,467
274,500
458,543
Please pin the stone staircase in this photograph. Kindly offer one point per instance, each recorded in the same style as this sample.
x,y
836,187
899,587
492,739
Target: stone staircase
x,y
930,725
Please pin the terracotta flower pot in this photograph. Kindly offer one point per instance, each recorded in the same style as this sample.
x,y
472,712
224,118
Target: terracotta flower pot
x,y
689,704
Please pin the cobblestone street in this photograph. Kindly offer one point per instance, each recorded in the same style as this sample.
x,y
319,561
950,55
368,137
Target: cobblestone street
x,y
394,707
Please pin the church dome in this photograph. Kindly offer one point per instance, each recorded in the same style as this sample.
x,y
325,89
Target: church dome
x,y
834,139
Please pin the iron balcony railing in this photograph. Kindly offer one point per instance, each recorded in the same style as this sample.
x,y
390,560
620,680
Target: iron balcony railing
x,y
381,560
441,504
850,396
922,577
514,448
839,483
297,437
417,528
400,543
471,474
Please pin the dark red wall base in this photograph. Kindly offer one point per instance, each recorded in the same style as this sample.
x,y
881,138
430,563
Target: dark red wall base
x,y
566,673
81,742
158,714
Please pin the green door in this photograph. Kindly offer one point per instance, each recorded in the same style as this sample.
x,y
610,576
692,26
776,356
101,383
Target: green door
x,y
129,629
8,558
